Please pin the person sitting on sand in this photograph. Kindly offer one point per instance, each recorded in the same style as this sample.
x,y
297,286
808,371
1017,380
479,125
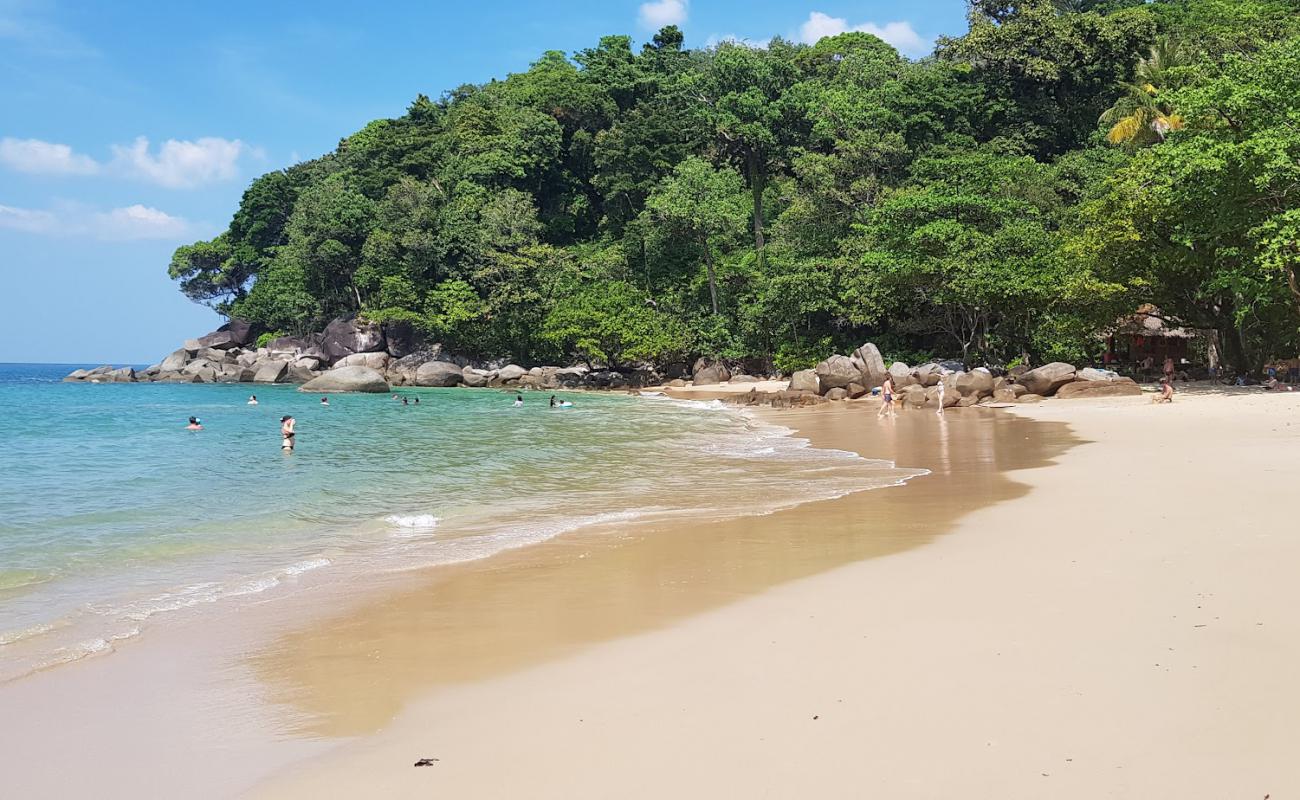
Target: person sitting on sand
x,y
1166,392
252,400
194,425
287,433
886,397
519,401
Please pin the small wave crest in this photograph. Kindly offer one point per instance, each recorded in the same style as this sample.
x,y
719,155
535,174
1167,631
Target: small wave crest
x,y
412,525
211,592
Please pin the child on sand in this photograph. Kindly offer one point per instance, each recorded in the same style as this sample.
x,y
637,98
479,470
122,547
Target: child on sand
x,y
1166,392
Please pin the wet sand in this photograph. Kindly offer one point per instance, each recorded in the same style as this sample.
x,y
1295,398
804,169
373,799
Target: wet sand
x,y
1121,624
354,675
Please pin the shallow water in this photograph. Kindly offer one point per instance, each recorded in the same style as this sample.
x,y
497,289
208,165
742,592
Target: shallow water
x,y
113,516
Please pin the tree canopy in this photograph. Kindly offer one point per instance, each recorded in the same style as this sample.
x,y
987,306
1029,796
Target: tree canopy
x,y
1007,197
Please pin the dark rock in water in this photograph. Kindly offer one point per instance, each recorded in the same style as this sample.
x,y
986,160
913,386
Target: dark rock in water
x,y
837,372
348,335
439,373
348,379
77,375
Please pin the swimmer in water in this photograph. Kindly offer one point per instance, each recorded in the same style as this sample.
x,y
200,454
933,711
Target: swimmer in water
x,y
405,402
519,401
194,425
287,433
553,403
252,399
324,401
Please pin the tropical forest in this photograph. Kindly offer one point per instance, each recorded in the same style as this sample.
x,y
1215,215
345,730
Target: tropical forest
x,y
1003,200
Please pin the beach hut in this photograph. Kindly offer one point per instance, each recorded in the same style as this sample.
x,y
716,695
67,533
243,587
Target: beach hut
x,y
1145,334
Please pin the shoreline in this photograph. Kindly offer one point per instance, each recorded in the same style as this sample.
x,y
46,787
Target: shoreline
x,y
1106,632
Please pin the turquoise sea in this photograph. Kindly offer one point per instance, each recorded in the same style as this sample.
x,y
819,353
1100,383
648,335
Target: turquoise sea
x,y
113,516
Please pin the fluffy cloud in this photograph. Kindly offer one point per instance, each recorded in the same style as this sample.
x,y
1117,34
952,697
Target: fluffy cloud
x,y
44,158
899,34
176,164
181,164
131,223
657,14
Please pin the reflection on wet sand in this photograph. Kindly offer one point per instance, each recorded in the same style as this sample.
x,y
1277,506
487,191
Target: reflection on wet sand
x,y
350,674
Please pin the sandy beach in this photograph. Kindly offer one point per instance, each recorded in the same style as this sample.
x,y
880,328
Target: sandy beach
x,y
1120,623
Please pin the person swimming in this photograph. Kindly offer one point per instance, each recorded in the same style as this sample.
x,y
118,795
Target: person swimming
x,y
252,400
405,402
553,403
519,401
324,401
195,425
287,433
417,401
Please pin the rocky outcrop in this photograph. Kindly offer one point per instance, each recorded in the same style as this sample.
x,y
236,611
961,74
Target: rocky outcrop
x,y
1120,387
707,372
805,380
235,333
978,382
348,379
837,394
902,376
348,335
868,361
837,372
439,373
271,372
1094,374
1045,380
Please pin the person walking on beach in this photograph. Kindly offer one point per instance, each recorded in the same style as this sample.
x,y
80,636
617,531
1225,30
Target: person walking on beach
x,y
941,390
194,425
886,398
1168,368
287,433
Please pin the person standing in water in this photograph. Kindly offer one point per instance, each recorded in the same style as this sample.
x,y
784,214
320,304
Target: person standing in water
x,y
519,401
941,390
324,401
287,433
252,400
194,425
552,401
886,397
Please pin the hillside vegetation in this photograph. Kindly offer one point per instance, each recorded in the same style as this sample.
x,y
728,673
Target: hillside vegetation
x,y
1007,197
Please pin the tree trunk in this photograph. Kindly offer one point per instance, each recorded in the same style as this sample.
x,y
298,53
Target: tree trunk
x,y
757,183
708,268
1233,348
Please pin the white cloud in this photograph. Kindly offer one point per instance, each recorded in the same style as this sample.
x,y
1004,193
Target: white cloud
x,y
181,164
130,223
899,34
27,220
44,158
660,13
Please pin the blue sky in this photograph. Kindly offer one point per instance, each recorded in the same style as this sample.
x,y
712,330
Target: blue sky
x,y
128,129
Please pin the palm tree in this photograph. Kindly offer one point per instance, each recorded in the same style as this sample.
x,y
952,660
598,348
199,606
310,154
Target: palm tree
x,y
1142,116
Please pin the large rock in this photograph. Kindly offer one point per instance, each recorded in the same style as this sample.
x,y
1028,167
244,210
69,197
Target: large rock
x,y
837,372
77,375
950,399
347,335
271,372
1122,387
902,375
475,378
376,361
1045,380
978,382
867,360
707,372
805,380
175,362
837,393
1094,374
508,375
928,374
914,396
855,390
348,379
439,373
123,375
235,333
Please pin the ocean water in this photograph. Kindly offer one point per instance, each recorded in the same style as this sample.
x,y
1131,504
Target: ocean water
x,y
113,517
